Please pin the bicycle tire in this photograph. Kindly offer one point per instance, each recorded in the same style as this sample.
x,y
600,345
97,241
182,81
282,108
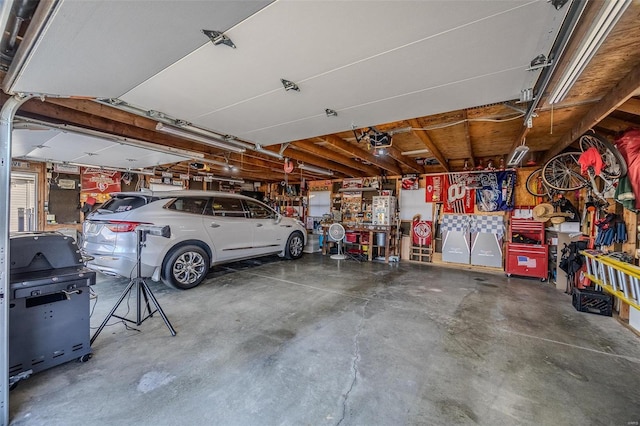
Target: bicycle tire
x,y
563,172
535,184
615,166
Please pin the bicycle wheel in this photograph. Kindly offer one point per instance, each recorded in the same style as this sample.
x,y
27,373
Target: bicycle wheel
x,y
615,166
535,184
562,172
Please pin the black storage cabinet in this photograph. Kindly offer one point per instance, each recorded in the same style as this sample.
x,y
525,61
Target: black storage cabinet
x,y
48,303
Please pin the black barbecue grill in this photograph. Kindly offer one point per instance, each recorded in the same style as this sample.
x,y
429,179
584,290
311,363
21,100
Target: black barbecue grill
x,y
49,303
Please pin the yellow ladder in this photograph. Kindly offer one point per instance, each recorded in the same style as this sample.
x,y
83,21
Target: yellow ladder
x,y
620,279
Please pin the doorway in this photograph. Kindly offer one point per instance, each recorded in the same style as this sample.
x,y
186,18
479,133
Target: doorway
x,y
23,210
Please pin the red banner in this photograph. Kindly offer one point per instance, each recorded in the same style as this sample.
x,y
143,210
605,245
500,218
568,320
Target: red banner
x,y
421,232
100,181
459,196
433,188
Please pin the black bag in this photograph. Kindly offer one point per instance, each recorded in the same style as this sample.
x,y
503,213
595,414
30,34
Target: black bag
x,y
572,260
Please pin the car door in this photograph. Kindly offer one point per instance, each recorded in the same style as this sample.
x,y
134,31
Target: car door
x,y
269,236
226,223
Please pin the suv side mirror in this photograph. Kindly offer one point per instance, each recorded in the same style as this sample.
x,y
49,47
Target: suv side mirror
x,y
278,218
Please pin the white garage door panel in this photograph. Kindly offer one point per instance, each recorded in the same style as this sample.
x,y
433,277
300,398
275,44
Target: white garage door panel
x,y
242,93
104,48
485,90
54,145
297,40
25,141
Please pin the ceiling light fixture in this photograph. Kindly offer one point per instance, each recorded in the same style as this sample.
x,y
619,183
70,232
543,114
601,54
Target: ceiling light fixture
x,y
218,38
111,169
217,143
224,179
415,152
214,162
261,150
315,169
230,140
606,20
517,155
289,85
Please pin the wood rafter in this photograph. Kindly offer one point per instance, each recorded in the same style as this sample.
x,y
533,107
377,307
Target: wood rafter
x,y
615,125
383,163
632,106
308,158
424,137
409,162
467,138
617,96
321,151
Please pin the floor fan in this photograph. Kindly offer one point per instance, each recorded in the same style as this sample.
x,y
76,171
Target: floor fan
x,y
337,234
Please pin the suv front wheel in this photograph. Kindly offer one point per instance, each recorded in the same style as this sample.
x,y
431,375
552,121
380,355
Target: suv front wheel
x,y
185,267
295,246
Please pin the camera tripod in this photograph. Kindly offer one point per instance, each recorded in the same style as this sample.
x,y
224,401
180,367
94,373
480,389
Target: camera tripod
x,y
142,291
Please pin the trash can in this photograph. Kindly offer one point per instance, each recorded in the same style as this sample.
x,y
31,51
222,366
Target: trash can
x,y
380,238
48,303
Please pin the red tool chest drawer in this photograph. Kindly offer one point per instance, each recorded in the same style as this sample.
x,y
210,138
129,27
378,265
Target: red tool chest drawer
x,y
528,260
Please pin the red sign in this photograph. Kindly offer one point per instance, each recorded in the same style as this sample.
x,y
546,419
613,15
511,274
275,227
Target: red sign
x,y
421,233
100,181
433,187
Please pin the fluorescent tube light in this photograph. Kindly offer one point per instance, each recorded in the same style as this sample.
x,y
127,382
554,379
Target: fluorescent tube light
x,y
609,15
113,169
517,155
416,152
218,143
261,150
224,179
315,169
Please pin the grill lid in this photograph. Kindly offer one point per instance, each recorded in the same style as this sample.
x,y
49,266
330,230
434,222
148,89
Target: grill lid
x,y
40,251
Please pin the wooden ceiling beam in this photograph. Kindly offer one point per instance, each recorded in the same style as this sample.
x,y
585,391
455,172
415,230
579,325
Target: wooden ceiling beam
x,y
57,114
617,96
426,140
353,150
308,158
615,125
147,126
467,137
409,162
321,151
101,110
632,106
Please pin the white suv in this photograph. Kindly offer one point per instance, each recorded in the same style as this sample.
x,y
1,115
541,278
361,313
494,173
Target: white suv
x,y
207,228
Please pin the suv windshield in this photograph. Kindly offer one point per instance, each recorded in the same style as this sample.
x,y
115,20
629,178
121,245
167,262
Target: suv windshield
x,y
123,204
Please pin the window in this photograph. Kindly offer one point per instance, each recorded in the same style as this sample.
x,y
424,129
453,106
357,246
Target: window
x,y
227,207
189,205
123,204
259,211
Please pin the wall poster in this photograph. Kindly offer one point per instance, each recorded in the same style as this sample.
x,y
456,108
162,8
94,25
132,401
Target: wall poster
x,y
463,193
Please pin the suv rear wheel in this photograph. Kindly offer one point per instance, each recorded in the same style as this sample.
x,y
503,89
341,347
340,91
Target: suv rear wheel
x,y
185,267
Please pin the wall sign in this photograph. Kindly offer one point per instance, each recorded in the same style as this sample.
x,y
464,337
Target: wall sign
x,y
100,181
463,193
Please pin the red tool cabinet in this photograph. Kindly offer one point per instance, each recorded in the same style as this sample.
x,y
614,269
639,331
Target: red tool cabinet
x,y
529,260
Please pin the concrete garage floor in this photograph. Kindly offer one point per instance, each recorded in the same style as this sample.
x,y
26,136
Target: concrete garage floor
x,y
326,342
